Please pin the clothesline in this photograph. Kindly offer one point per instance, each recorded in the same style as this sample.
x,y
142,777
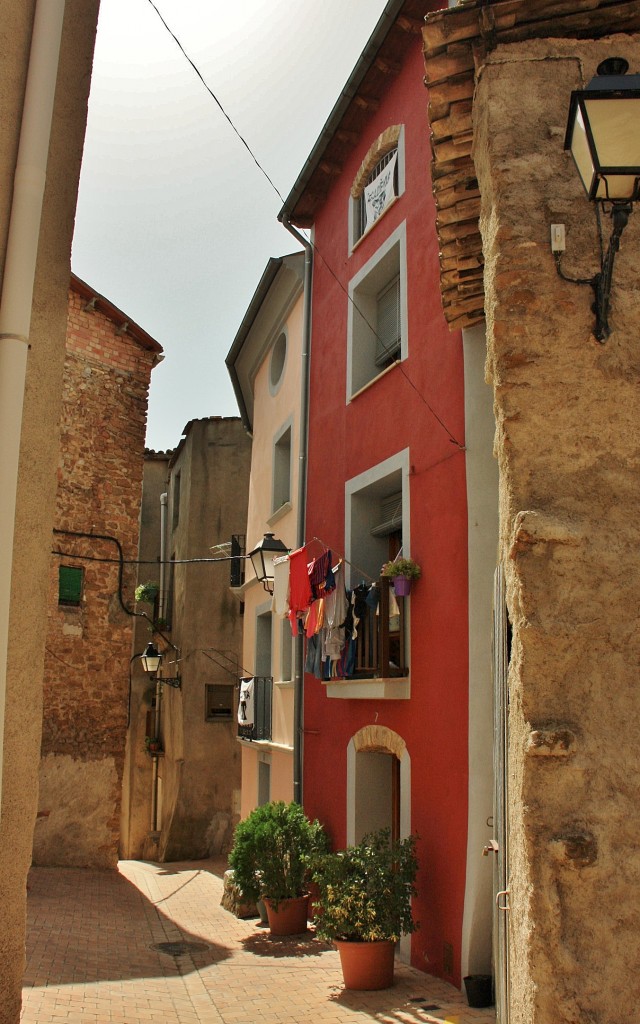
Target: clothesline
x,y
344,559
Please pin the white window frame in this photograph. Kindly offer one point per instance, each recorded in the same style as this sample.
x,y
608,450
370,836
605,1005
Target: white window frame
x,y
387,262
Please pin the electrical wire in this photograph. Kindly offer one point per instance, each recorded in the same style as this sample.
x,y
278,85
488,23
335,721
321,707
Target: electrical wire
x,y
313,245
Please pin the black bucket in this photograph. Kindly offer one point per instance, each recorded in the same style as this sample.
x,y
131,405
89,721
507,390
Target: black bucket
x,y
479,989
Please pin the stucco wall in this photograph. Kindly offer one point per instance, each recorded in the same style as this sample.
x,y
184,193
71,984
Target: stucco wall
x,y
568,447
199,771
36,487
88,647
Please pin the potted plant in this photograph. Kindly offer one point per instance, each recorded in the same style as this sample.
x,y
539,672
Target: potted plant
x,y
146,593
402,571
271,856
365,905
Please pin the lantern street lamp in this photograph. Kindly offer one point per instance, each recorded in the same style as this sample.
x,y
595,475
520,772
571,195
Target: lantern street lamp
x,y
151,658
603,135
262,558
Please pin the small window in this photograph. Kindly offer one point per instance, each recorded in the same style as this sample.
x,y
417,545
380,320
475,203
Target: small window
x,y
219,703
282,469
70,580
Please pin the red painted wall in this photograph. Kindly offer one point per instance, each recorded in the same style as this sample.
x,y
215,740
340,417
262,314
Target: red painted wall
x,y
345,440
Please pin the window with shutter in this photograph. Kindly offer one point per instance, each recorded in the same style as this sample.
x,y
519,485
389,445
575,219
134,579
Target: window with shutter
x,y
70,579
388,323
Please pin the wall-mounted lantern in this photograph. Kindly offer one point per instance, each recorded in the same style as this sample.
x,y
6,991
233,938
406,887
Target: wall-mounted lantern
x,y
151,659
603,135
262,558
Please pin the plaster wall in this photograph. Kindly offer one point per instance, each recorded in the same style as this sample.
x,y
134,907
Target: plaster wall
x,y
392,418
568,448
200,769
272,409
36,484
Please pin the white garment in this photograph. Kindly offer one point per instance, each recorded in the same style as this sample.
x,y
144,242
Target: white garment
x,y
245,705
280,604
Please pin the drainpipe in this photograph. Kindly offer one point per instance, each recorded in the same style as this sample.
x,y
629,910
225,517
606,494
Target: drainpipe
x,y
155,758
17,287
162,597
298,693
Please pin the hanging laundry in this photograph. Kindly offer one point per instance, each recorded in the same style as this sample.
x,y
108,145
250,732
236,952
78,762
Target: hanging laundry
x,y
299,587
246,702
321,575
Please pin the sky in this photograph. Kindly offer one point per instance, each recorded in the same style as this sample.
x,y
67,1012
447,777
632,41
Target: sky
x,y
175,222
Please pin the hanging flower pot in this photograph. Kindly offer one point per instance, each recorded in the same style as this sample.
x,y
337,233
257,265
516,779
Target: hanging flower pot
x,y
401,571
402,586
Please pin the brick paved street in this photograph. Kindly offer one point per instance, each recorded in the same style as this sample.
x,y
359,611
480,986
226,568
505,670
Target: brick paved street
x,y
89,959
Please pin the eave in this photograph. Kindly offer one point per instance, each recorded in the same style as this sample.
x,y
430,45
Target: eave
x,y
456,42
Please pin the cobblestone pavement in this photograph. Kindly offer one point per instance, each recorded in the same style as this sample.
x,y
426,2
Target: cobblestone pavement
x,y
90,959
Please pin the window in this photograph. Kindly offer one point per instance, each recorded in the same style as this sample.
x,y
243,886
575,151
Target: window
x,y
282,468
70,580
219,702
380,188
238,551
377,320
262,704
286,651
377,524
379,182
264,779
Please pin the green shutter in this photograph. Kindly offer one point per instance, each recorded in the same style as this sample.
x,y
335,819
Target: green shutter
x,y
69,584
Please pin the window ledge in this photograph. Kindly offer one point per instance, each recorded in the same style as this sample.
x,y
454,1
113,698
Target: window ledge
x,y
284,684
279,513
369,689
281,748
374,380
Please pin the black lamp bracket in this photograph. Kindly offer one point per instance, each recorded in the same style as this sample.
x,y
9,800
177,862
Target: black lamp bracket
x,y
601,282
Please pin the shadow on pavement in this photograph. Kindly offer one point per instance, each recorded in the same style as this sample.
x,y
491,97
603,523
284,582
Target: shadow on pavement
x,y
286,945
86,925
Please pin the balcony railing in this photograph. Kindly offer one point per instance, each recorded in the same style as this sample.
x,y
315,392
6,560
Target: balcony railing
x,y
262,696
380,644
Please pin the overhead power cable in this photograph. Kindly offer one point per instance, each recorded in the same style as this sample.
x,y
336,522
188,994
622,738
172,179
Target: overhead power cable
x,y
314,246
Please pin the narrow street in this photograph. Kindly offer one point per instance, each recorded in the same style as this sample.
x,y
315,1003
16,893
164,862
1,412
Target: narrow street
x,y
91,958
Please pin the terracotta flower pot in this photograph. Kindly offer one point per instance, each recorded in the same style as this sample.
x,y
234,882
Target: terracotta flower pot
x,y
367,965
290,918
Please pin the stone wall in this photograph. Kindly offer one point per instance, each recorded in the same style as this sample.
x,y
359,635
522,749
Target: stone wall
x,y
568,445
88,649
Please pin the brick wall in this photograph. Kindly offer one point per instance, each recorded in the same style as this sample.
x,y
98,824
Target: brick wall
x,y
88,647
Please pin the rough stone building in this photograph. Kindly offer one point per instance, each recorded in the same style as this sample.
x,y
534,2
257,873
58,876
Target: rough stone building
x,y
91,585
184,801
500,77
45,63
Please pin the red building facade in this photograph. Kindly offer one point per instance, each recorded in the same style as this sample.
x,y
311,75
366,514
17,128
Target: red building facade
x,y
388,744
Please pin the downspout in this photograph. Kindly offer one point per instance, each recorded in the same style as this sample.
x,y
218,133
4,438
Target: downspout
x,y
17,287
162,597
298,692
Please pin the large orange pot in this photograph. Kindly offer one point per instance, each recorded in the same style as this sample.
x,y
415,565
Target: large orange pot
x,y
290,918
367,965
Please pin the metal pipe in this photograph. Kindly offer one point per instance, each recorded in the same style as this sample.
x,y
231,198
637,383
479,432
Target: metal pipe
x,y
298,692
162,597
17,287
154,758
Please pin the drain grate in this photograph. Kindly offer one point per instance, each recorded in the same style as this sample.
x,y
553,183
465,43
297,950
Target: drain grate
x,y
179,948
